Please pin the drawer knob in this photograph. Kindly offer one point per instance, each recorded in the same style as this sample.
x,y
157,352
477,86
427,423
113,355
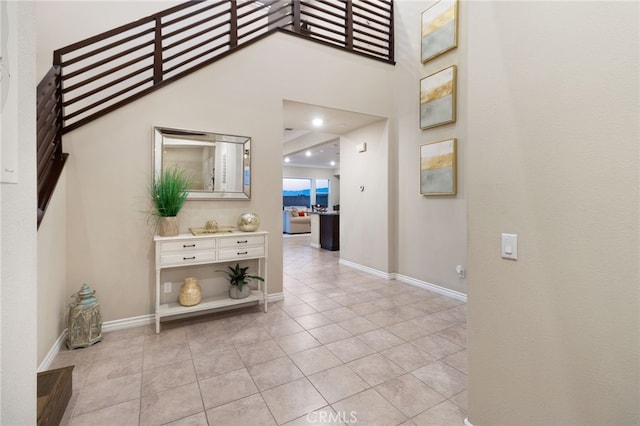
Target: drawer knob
x,y
189,258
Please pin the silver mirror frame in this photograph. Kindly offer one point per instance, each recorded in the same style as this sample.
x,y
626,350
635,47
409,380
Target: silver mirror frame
x,y
160,134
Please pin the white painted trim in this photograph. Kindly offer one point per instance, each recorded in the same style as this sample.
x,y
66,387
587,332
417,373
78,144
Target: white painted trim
x,y
275,297
51,355
409,280
432,287
106,326
315,245
128,322
150,319
272,297
385,275
118,325
467,422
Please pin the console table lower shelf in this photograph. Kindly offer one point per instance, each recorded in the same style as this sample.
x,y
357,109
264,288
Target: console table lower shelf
x,y
208,303
185,251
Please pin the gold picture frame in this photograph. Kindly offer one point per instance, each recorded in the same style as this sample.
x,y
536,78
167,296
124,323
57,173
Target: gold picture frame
x,y
438,167
438,98
439,29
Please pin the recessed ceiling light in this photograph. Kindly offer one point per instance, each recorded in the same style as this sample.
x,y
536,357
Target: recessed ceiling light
x,y
308,153
287,159
317,122
333,163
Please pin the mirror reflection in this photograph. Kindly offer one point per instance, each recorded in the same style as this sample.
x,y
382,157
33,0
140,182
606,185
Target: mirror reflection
x,y
220,164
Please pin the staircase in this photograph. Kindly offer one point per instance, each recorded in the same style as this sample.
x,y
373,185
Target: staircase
x,y
97,75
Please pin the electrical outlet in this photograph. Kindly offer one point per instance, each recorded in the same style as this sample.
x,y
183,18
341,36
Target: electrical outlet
x,y
167,287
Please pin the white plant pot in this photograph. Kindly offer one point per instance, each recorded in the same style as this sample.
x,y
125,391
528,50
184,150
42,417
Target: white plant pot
x,y
234,293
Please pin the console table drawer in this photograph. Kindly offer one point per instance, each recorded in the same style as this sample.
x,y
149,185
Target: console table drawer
x,y
187,245
187,258
185,252
242,241
240,253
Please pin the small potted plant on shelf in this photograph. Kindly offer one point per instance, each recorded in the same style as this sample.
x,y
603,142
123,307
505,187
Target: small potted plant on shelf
x,y
168,193
239,279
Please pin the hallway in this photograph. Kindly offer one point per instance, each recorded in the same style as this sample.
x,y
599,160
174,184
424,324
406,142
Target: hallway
x,y
344,347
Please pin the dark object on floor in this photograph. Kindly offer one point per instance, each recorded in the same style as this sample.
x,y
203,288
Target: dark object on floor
x,y
330,231
54,393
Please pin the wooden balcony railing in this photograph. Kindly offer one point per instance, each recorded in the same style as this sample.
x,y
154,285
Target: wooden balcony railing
x,y
50,159
92,77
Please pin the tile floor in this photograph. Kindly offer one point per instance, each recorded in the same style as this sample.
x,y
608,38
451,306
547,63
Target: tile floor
x,y
344,347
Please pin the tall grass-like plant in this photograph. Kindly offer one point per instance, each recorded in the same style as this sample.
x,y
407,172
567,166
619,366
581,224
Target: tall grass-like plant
x,y
169,191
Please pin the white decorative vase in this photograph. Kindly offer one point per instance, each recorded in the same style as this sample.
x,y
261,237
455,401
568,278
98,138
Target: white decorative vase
x,y
234,293
168,226
248,222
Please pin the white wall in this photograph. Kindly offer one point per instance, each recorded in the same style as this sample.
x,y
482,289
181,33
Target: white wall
x,y
538,117
431,232
366,212
317,173
425,251
18,305
553,157
94,17
53,301
109,245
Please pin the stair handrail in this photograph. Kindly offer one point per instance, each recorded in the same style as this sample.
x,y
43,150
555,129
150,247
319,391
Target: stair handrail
x,y
104,72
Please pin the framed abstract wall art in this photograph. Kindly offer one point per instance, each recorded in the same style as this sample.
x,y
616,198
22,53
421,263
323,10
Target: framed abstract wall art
x,y
439,29
438,168
438,98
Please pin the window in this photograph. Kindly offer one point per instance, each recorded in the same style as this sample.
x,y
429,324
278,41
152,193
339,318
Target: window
x,y
296,192
305,192
322,192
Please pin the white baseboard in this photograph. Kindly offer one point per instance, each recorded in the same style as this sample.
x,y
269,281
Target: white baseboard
x,y
467,422
275,297
117,325
128,322
409,280
150,319
432,287
51,355
385,275
106,326
315,245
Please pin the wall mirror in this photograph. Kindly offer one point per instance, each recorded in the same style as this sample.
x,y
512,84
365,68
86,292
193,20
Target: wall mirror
x,y
220,164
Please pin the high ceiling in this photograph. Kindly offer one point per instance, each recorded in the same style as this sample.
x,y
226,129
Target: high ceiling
x,y
321,142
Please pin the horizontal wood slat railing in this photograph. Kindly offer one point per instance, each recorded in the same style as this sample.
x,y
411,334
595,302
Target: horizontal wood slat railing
x,y
95,76
49,156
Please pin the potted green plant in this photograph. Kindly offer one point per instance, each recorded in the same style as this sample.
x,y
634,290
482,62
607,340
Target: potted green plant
x,y
239,279
168,193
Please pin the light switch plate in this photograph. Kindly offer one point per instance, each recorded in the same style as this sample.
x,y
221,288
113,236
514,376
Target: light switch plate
x,y
167,287
510,246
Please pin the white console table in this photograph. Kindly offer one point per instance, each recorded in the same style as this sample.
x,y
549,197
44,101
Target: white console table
x,y
188,250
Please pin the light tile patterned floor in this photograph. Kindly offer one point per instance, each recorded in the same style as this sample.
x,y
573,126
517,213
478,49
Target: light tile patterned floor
x,y
344,347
